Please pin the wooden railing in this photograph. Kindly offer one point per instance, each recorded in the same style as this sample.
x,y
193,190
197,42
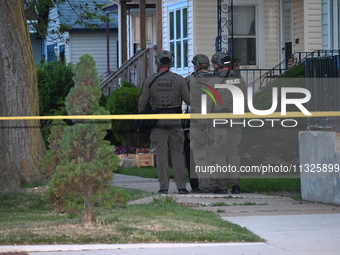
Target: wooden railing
x,y
134,71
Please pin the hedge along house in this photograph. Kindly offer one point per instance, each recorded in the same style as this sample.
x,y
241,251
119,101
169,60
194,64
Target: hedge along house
x,y
267,36
101,42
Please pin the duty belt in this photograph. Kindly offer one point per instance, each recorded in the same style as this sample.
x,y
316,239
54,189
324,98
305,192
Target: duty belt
x,y
169,110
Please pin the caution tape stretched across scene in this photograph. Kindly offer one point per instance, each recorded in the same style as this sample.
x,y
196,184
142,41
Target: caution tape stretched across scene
x,y
175,116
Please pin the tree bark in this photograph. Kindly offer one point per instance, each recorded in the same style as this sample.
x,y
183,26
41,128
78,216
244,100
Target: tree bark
x,y
22,147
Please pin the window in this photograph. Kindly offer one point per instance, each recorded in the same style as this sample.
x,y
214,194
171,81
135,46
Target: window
x,y
53,52
330,24
178,36
245,34
50,53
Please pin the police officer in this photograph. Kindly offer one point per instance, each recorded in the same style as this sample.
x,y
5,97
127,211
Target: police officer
x,y
198,128
223,68
165,95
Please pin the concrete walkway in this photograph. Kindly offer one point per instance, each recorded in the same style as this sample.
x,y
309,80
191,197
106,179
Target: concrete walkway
x,y
289,226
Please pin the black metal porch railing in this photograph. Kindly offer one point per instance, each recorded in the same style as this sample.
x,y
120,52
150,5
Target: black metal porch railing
x,y
323,75
259,78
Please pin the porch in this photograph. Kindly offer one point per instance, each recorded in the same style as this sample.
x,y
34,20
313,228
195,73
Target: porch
x,y
141,65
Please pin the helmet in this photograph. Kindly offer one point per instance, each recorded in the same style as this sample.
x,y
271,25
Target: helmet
x,y
164,57
221,58
201,60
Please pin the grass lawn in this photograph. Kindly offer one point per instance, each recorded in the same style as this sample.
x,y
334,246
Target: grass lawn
x,y
249,185
26,219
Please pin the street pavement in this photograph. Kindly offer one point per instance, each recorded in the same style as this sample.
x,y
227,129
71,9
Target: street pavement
x,y
288,226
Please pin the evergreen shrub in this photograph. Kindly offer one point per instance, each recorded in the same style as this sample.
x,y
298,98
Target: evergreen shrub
x,y
80,184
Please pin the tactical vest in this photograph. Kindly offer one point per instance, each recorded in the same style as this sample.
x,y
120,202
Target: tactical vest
x,y
166,93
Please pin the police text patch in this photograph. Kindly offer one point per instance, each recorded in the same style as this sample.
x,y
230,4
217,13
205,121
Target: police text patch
x,y
165,85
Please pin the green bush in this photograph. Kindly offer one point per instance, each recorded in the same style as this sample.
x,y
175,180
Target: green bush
x,y
298,71
124,100
263,99
55,79
54,83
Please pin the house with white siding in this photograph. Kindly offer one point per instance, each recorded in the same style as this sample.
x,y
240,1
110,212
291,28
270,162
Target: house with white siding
x,y
263,34
101,42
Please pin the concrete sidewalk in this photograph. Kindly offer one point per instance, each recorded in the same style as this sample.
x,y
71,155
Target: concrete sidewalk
x,y
296,234
289,226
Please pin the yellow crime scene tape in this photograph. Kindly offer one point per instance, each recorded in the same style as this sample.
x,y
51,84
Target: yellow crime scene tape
x,y
176,116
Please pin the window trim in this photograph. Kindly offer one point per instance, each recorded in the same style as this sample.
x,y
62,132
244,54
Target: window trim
x,y
173,8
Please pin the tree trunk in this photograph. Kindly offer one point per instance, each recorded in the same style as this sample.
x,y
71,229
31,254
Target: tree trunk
x,y
22,146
